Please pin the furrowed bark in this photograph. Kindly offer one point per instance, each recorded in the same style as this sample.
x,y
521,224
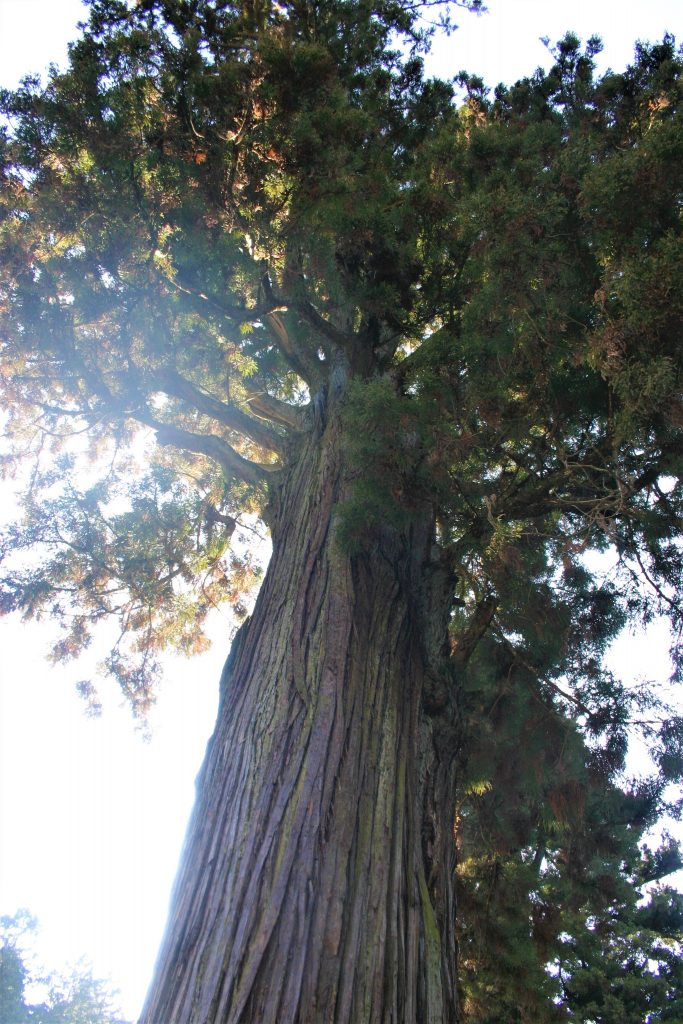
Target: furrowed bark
x,y
316,881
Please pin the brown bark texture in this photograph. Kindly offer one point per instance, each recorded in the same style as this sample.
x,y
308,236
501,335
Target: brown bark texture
x,y
316,881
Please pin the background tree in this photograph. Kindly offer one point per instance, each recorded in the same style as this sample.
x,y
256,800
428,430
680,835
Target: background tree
x,y
435,348
72,998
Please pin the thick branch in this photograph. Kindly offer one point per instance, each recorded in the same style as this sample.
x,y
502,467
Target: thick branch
x,y
230,461
474,631
424,355
267,407
174,384
304,365
304,362
238,314
310,314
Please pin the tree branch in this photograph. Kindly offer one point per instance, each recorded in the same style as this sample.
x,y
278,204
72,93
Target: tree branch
x,y
267,407
173,383
422,355
238,314
305,363
230,461
512,650
474,631
310,314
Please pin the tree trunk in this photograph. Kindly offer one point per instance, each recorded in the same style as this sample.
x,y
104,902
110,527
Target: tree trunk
x,y
316,881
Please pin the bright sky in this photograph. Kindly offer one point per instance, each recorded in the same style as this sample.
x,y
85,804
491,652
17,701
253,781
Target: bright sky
x,y
91,817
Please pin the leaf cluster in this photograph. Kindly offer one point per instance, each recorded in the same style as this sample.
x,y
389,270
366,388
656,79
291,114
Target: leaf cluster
x,y
75,997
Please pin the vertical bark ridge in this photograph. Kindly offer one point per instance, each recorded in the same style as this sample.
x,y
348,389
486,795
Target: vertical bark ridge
x,y
302,896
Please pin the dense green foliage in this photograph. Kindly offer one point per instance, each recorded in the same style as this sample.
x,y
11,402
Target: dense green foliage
x,y
74,998
220,216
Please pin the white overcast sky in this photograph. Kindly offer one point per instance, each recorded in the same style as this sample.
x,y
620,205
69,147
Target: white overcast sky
x,y
91,817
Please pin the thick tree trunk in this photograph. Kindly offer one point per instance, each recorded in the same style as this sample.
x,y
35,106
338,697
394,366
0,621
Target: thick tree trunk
x,y
316,882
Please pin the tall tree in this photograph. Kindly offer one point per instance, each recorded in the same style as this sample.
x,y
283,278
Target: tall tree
x,y
433,346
